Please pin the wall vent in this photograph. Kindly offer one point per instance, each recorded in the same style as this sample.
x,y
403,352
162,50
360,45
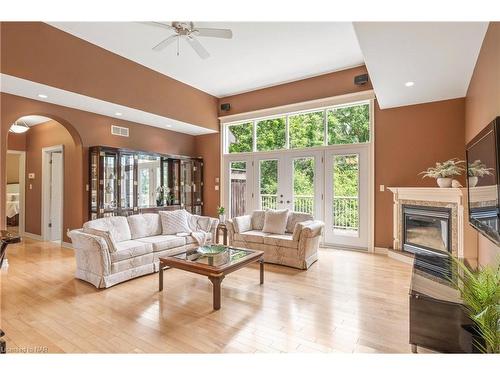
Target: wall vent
x,y
119,130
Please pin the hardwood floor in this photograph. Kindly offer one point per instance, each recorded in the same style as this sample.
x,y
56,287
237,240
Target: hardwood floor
x,y
346,302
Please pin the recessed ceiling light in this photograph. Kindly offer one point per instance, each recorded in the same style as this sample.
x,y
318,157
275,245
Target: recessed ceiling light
x,y
409,84
118,113
43,96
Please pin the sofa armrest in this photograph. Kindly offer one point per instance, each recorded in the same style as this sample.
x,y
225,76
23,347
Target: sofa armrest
x,y
242,223
91,251
213,228
308,229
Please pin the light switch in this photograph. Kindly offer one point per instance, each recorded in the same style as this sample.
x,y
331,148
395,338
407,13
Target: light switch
x,y
216,187
31,187
382,188
87,187
217,180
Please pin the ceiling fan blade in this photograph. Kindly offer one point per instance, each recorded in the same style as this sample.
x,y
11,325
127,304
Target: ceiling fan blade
x,y
159,24
160,46
214,33
199,49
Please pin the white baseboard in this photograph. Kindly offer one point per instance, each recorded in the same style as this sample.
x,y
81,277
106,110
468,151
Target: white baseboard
x,y
32,236
400,257
380,250
67,245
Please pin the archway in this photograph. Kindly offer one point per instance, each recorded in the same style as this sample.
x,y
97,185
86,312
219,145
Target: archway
x,y
48,143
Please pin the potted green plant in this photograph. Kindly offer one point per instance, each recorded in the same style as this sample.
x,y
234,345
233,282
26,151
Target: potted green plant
x,y
443,172
480,292
475,170
222,214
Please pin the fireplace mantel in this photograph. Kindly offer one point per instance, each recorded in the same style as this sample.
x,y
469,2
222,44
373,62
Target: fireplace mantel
x,y
464,238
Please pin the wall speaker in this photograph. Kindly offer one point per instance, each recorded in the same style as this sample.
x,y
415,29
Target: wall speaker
x,y
361,79
225,107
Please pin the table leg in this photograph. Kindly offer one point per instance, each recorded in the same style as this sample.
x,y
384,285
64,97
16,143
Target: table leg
x,y
261,262
225,236
160,286
216,281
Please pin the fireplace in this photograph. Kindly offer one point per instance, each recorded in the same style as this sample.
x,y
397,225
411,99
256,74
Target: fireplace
x,y
426,230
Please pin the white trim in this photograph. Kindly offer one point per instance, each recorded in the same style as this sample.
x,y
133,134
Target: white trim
x,y
380,250
32,236
371,180
22,188
46,190
299,107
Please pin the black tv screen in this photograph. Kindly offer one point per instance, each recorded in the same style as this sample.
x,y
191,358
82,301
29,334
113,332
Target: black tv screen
x,y
483,183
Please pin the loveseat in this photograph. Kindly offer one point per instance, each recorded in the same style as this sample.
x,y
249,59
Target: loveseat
x,y
297,247
115,249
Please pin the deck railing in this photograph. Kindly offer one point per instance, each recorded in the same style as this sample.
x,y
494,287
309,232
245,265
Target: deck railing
x,y
345,209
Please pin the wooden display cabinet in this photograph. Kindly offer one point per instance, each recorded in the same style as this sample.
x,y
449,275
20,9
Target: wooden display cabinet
x,y
123,182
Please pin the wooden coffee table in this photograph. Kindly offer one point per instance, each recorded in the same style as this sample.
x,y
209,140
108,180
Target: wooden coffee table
x,y
215,267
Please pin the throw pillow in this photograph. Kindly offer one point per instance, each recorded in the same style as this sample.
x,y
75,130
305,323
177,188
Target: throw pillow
x,y
106,235
275,221
174,222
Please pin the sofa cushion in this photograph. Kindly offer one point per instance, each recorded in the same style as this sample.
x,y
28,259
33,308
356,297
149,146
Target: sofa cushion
x,y
296,217
116,225
258,219
275,221
197,223
144,225
130,249
164,242
242,223
284,240
174,222
254,236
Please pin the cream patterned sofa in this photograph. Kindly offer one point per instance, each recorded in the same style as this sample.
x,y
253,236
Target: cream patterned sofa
x,y
138,243
297,248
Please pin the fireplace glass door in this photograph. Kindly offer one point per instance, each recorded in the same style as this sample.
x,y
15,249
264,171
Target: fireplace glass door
x,y
426,229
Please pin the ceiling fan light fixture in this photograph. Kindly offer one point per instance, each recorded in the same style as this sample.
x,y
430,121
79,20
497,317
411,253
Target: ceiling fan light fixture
x,y
19,128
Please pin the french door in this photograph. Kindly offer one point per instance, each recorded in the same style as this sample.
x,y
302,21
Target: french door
x,y
332,185
347,196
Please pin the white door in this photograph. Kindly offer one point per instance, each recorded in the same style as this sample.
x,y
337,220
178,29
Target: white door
x,y
56,196
347,196
270,189
238,189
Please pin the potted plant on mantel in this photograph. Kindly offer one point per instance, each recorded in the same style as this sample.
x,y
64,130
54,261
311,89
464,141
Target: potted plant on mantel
x,y
480,292
443,172
475,170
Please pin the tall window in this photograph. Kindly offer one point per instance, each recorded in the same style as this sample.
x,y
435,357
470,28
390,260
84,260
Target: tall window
x,y
307,129
349,124
240,137
346,124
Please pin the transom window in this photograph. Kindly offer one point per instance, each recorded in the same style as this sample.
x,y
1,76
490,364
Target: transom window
x,y
345,124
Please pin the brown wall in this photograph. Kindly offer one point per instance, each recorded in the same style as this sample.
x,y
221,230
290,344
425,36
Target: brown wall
x,y
208,147
12,168
17,142
323,86
38,52
482,105
408,140
86,129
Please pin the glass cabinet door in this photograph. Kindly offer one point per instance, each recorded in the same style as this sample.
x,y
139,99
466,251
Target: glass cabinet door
x,y
149,181
109,180
187,184
197,186
94,182
175,180
127,170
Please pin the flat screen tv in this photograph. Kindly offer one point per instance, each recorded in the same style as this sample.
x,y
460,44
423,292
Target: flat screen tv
x,y
483,168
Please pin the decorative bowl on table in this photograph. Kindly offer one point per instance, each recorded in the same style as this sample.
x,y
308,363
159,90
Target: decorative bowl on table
x,y
212,250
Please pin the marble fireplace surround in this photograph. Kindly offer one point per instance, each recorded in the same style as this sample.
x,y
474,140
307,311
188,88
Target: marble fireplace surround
x,y
462,236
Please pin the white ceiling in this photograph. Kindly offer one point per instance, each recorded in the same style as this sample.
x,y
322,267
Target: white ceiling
x,y
260,54
29,89
439,57
34,120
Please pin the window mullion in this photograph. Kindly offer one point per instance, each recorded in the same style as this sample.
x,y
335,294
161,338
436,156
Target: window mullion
x,y
287,132
254,129
325,127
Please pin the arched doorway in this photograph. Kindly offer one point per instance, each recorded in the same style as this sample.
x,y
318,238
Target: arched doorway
x,y
47,153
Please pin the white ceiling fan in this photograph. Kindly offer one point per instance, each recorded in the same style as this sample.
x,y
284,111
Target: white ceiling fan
x,y
188,31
